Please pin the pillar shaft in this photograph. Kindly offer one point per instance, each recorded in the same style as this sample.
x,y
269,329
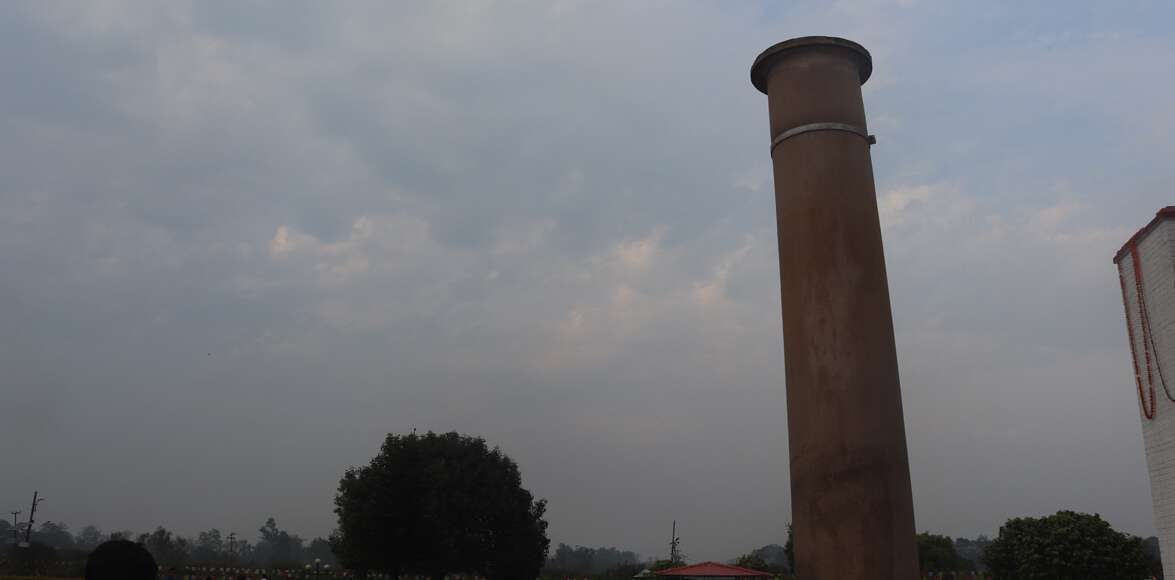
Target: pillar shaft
x,y
852,509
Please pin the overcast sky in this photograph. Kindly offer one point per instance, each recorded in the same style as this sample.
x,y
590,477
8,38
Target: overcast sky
x,y
240,242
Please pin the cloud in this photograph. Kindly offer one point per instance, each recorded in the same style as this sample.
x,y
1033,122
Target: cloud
x,y
638,254
894,205
624,300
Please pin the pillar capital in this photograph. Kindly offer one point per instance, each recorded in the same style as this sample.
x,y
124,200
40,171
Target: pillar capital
x,y
762,66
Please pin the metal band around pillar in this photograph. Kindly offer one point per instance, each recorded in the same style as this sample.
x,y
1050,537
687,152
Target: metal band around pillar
x,y
811,127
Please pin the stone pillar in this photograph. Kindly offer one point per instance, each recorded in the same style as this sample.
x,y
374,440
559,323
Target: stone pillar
x,y
852,510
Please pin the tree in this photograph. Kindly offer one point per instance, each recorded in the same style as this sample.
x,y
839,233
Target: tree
x,y
54,535
244,551
972,551
439,503
1154,559
937,554
319,549
168,549
664,565
277,546
754,562
209,547
568,560
583,561
89,538
122,535
1064,546
790,550
774,556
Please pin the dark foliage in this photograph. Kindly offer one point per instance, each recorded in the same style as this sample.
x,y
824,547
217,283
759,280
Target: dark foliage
x,y
440,503
120,560
167,548
754,562
1154,559
1064,546
937,554
584,561
278,548
665,564
774,556
89,538
789,549
54,535
319,549
618,572
35,559
622,571
57,552
972,551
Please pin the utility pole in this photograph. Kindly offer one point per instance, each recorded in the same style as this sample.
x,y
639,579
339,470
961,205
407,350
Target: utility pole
x,y
674,556
232,546
15,527
28,531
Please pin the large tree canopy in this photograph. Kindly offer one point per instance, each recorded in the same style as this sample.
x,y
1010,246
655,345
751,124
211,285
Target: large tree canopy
x,y
440,503
1064,546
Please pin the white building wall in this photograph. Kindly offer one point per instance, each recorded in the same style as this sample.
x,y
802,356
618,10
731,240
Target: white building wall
x,y
1156,252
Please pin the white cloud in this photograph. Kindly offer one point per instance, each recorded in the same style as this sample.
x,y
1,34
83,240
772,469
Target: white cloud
x,y
639,254
934,205
712,291
893,206
384,243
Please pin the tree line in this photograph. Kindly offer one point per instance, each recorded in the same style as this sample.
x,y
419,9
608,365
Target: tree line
x,y
581,561
440,504
54,544
1065,545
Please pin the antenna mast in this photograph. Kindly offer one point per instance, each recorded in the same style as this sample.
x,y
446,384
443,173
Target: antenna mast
x,y
674,555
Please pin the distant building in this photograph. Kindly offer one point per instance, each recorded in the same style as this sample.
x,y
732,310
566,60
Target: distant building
x,y
709,570
1146,270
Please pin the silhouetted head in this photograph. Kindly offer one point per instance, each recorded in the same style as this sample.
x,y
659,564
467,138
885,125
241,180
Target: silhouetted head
x,y
120,560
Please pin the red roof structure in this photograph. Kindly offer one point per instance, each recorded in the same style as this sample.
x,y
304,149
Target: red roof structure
x,y
711,570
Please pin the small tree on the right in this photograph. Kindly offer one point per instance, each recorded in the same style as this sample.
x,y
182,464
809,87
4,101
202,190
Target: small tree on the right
x,y
1064,546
